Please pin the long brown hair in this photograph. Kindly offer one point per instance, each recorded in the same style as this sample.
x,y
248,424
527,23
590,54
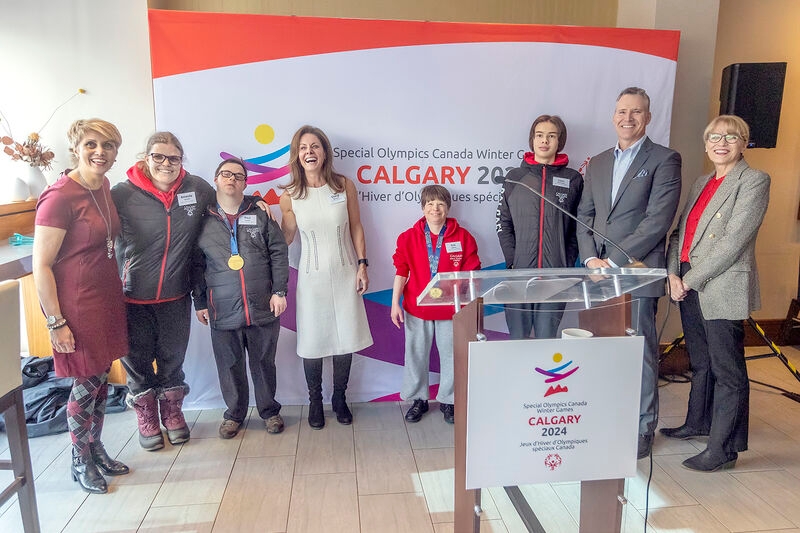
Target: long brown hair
x,y
299,184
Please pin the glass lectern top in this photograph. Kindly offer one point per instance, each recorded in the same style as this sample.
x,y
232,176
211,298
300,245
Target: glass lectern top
x,y
534,285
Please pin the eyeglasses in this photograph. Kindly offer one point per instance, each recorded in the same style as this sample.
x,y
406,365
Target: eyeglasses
x,y
228,175
730,138
173,159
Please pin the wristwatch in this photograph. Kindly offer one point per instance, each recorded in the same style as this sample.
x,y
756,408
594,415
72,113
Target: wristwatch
x,y
282,294
52,319
364,262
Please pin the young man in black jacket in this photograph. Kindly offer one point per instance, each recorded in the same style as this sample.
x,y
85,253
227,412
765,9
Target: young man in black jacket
x,y
534,234
242,272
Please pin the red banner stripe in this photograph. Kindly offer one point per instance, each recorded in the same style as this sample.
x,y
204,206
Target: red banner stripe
x,y
182,41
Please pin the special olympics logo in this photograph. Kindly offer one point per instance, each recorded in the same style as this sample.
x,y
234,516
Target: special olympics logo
x,y
552,461
555,374
260,172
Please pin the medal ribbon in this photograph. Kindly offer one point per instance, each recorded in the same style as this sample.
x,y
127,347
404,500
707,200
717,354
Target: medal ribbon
x,y
433,256
231,229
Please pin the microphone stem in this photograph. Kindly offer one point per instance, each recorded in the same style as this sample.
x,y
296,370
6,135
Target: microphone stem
x,y
632,263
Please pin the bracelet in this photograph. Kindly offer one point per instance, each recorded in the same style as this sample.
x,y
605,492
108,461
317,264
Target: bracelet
x,y
59,324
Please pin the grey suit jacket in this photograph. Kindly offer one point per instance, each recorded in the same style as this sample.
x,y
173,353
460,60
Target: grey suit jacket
x,y
722,253
641,214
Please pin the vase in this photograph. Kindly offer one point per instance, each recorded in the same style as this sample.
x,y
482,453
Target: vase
x,y
13,190
34,178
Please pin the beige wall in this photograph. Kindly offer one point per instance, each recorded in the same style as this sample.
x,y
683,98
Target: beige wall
x,y
766,31
575,12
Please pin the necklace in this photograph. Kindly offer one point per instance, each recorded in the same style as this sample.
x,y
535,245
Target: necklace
x,y
107,221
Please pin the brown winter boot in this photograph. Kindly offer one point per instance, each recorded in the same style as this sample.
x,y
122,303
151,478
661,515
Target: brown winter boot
x,y
150,437
170,401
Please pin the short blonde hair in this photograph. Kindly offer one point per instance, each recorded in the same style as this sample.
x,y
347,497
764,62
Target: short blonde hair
x,y
732,124
81,127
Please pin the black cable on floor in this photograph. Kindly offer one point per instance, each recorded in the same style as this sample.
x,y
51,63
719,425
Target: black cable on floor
x,y
789,394
647,492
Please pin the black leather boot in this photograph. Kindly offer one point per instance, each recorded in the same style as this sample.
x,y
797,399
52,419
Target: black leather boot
x,y
85,472
313,371
107,465
341,375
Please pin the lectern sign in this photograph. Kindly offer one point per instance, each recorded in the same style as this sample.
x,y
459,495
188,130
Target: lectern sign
x,y
543,411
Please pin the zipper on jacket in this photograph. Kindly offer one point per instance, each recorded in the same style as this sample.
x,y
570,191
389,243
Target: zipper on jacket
x,y
211,303
125,268
541,217
166,251
245,306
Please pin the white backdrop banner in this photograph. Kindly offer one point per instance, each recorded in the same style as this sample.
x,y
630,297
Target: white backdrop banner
x,y
405,104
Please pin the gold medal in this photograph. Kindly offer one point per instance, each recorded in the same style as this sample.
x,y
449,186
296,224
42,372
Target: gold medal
x,y
235,262
436,293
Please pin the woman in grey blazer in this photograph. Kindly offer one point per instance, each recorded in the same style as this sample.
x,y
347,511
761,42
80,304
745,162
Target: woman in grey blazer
x,y
712,274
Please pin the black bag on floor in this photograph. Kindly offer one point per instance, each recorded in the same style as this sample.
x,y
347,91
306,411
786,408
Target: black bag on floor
x,y
46,396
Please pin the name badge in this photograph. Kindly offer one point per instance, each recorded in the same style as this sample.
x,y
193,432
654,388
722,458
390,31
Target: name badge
x,y
186,198
247,220
452,247
337,198
560,182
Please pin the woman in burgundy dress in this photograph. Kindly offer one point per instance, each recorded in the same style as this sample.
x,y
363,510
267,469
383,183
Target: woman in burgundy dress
x,y
80,291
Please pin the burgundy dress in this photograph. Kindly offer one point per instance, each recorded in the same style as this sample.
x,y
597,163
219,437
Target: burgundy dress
x,y
88,284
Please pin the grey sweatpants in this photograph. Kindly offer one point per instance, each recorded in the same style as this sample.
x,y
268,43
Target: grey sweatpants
x,y
419,339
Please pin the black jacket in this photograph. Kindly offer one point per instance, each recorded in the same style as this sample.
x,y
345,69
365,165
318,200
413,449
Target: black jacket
x,y
238,298
528,239
155,247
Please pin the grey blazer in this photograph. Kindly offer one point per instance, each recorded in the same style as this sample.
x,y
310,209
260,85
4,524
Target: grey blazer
x,y
722,253
641,214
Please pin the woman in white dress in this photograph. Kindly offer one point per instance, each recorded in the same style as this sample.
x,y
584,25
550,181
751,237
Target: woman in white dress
x,y
332,275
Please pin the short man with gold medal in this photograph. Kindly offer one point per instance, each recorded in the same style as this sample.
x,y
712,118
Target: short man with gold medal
x,y
435,243
241,275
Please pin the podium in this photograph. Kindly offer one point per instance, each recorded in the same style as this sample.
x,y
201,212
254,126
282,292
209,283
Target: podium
x,y
606,308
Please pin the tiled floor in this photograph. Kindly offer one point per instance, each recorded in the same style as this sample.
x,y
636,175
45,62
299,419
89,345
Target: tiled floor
x,y
383,475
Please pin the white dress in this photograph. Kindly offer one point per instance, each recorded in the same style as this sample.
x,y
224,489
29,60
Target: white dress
x,y
331,318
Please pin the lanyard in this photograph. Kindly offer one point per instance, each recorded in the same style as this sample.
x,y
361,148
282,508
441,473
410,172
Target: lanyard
x,y
231,229
433,256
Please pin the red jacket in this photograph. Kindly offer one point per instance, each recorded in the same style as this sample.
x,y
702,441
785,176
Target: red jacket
x,y
411,261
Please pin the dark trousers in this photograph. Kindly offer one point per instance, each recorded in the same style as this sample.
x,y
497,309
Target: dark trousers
x,y
544,318
719,400
260,342
157,332
341,375
648,400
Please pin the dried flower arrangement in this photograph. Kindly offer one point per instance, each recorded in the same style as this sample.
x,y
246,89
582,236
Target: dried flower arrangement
x,y
31,151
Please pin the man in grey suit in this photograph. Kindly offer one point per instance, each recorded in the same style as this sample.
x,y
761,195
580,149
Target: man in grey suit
x,y
631,194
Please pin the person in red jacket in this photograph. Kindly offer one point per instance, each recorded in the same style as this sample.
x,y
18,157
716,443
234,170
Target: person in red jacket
x,y
435,243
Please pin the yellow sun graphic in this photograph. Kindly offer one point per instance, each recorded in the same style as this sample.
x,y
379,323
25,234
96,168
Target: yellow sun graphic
x,y
557,357
264,133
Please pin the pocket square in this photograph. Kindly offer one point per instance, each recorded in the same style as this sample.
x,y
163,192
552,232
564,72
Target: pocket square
x,y
641,174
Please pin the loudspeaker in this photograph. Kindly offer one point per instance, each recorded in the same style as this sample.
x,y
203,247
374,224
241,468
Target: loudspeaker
x,y
754,92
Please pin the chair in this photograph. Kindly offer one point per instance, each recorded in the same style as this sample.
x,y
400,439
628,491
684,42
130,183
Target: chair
x,y
12,407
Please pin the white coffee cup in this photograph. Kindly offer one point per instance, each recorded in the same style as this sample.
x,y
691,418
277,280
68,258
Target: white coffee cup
x,y
576,333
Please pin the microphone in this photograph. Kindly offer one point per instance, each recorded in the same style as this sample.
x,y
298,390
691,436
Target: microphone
x,y
632,262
